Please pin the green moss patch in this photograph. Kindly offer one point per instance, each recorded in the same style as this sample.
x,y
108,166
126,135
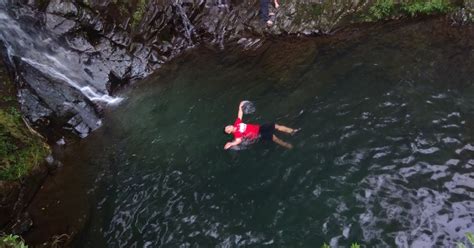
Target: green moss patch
x,y
20,149
381,9
12,241
427,7
385,9
138,13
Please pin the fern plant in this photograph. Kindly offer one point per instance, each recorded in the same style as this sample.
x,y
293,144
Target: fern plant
x,y
12,241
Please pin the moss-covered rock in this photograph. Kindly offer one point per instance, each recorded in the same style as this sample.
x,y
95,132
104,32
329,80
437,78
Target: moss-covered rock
x,y
21,149
22,152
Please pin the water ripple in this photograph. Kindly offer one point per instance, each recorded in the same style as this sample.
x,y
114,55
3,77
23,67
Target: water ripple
x,y
384,156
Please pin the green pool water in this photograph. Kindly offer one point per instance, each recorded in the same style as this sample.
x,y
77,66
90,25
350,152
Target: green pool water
x,y
384,157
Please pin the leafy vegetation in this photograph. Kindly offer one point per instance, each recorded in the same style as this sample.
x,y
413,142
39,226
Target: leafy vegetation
x,y
12,241
353,245
20,149
135,9
138,14
383,9
470,238
427,7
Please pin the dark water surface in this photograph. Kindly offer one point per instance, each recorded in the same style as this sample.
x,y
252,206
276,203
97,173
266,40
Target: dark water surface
x,y
384,156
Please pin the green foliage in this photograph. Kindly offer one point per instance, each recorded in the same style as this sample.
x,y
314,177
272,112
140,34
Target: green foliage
x,y
20,150
138,14
316,9
7,98
382,9
325,246
461,245
426,7
469,237
12,241
355,245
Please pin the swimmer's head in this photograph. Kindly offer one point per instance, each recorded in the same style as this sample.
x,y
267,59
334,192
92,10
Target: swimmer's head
x,y
229,129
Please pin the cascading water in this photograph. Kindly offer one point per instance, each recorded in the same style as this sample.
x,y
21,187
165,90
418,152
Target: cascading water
x,y
188,27
28,47
90,92
49,58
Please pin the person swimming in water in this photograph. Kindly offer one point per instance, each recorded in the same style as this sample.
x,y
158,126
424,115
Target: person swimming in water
x,y
252,132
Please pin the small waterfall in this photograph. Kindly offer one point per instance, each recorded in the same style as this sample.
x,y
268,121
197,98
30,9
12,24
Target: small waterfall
x,y
40,50
189,29
87,91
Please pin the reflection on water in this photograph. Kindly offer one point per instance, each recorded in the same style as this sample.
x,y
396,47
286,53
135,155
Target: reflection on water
x,y
383,158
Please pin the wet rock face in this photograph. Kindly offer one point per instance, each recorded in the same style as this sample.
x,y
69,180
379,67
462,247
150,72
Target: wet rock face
x,y
135,37
114,42
43,97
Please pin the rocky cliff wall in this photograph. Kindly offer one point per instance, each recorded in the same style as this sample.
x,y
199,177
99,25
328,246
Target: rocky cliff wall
x,y
114,42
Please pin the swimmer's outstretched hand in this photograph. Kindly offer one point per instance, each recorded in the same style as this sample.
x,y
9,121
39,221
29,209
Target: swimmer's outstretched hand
x,y
294,131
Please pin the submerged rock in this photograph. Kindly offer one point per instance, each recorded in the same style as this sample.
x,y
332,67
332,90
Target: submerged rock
x,y
22,224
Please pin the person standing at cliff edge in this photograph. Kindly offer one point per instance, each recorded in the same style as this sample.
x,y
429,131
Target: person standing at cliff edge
x,y
265,10
252,132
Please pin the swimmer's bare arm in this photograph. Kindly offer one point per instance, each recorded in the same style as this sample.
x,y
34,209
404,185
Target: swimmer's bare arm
x,y
276,4
240,114
233,143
